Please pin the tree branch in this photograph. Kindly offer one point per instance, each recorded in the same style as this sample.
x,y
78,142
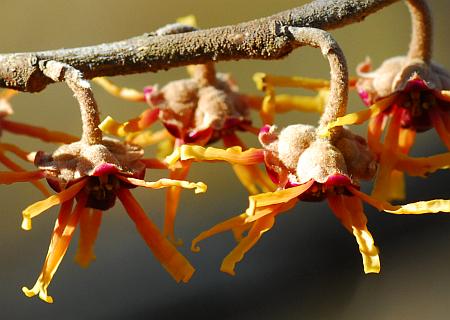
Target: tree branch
x,y
263,38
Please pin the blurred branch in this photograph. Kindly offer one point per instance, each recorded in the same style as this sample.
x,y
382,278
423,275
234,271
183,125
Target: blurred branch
x,y
265,38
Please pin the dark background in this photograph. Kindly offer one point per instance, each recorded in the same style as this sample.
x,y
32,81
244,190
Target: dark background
x,y
307,266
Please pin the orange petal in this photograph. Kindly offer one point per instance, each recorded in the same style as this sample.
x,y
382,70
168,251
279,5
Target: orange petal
x,y
375,130
424,165
199,187
377,203
350,212
147,138
172,201
24,155
58,247
38,207
237,254
38,132
383,188
170,258
242,222
235,222
441,129
90,221
22,174
278,196
251,177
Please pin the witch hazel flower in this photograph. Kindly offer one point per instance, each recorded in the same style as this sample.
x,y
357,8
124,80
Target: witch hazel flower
x,y
89,175
407,95
200,110
6,125
307,166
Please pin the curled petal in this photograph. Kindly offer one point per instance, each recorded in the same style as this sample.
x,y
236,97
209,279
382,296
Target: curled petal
x,y
38,207
432,206
62,235
233,155
38,132
350,212
235,222
420,207
237,254
90,221
360,116
172,201
276,197
242,222
170,258
199,187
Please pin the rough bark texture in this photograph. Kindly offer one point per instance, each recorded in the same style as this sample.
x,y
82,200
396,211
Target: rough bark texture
x,y
263,38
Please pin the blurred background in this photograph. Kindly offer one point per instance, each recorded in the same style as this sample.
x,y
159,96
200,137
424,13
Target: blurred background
x,y
308,266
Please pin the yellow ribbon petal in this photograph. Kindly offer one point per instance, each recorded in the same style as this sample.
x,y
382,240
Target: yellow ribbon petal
x,y
199,187
38,207
360,116
233,155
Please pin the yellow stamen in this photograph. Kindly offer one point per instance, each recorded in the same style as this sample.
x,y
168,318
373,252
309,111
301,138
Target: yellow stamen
x,y
170,258
38,207
90,221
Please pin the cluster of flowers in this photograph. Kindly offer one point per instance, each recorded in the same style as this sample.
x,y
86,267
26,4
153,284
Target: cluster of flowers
x,y
405,96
